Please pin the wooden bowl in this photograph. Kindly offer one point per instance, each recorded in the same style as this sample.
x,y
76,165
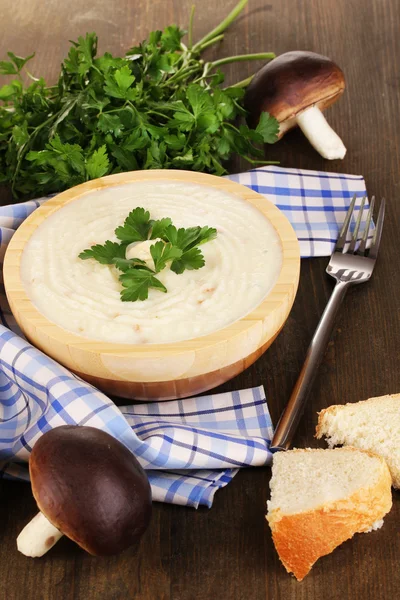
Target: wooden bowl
x,y
158,371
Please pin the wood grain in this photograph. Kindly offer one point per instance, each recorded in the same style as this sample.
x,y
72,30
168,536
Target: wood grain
x,y
227,552
158,371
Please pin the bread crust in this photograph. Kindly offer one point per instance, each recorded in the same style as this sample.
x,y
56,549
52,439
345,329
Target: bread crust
x,y
302,538
321,429
333,409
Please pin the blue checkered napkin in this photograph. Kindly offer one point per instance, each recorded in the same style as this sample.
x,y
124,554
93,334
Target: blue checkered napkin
x,y
315,202
189,448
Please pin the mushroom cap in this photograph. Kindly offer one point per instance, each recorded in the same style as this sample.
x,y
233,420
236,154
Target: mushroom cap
x,y
90,487
291,83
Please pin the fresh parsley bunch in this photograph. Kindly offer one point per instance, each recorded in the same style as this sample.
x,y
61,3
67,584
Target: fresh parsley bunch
x,y
176,247
160,106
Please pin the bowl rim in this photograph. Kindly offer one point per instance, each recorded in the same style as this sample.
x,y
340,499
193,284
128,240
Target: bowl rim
x,y
285,286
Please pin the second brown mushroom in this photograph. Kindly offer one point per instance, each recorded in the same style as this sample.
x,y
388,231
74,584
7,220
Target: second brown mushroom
x,y
89,487
295,88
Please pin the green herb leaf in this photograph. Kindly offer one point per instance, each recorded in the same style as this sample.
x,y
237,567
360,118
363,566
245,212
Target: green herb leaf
x,y
80,57
159,227
188,240
162,253
223,146
110,124
119,84
14,66
136,226
199,99
171,38
191,259
20,134
268,127
97,164
124,78
106,253
107,62
7,68
206,234
182,238
124,264
190,237
72,154
175,142
183,159
137,283
10,89
18,61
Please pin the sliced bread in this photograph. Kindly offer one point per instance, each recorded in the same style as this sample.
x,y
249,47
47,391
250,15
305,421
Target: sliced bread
x,y
320,498
372,425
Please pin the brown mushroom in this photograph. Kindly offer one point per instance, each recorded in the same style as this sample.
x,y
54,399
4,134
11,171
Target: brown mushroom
x,y
89,487
295,88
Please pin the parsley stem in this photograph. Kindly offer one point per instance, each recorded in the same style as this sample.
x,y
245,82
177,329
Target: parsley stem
x,y
190,31
63,113
226,124
261,162
185,73
222,26
183,70
155,112
241,57
107,112
241,84
214,40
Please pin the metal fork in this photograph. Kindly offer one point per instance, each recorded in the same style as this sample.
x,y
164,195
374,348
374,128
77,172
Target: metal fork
x,y
347,266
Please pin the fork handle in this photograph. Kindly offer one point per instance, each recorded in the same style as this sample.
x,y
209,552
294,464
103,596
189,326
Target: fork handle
x,y
292,414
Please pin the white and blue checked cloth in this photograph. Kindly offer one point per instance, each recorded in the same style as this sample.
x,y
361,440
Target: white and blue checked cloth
x,y
189,448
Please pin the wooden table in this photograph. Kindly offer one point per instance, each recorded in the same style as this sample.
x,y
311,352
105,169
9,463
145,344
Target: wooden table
x,y
227,552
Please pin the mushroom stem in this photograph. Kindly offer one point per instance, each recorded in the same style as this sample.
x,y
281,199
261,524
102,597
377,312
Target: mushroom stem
x,y
38,536
320,134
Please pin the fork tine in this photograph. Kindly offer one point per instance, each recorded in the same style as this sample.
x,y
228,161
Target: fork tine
x,y
341,242
376,240
363,245
353,243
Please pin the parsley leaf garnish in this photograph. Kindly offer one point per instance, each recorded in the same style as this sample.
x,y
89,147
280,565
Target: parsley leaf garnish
x,y
124,264
158,228
136,226
163,253
137,283
188,240
182,238
177,247
191,259
105,253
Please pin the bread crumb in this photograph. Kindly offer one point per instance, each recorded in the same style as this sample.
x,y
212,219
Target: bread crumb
x,y
377,525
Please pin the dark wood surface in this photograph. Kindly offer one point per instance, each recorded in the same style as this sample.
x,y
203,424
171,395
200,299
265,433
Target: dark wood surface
x,y
227,552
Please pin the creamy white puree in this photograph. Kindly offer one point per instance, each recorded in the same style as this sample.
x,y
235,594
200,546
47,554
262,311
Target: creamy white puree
x,y
82,296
